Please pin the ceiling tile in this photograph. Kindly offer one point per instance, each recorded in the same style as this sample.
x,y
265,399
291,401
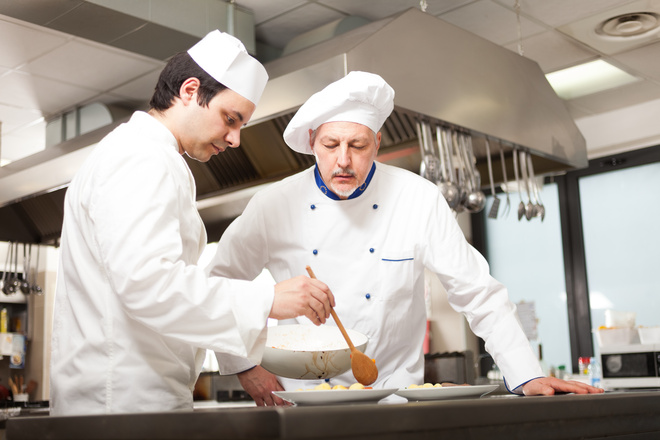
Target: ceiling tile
x,y
558,12
265,10
296,22
552,51
583,29
90,65
644,61
491,21
21,43
32,92
620,97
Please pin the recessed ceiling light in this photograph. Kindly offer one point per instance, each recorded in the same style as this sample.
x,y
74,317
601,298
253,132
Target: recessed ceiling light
x,y
588,78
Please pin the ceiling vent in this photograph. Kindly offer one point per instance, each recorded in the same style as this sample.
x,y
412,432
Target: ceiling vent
x,y
629,25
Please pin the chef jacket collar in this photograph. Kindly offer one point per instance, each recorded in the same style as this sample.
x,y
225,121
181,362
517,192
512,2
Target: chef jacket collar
x,y
325,190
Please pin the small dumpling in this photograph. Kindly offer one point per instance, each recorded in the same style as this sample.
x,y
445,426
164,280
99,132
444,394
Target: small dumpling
x,y
339,387
356,386
323,386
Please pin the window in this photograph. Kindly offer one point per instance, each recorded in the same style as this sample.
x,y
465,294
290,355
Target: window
x,y
526,256
620,212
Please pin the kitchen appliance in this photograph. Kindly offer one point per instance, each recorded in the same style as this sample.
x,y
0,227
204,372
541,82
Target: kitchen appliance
x,y
630,366
455,367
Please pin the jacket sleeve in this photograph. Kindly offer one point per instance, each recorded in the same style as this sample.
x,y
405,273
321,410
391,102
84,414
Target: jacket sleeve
x,y
141,210
484,301
242,253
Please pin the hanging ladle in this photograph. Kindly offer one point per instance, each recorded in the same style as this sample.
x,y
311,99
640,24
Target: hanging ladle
x,y
496,201
12,283
521,205
364,369
539,210
25,284
529,208
4,272
505,187
447,186
34,286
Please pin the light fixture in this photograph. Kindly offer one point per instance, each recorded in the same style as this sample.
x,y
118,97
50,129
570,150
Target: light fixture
x,y
588,78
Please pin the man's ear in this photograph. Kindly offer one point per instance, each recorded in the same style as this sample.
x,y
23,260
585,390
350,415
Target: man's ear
x,y
188,90
311,144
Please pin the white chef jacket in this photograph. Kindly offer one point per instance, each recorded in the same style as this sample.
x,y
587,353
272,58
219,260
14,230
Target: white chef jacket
x,y
133,314
371,251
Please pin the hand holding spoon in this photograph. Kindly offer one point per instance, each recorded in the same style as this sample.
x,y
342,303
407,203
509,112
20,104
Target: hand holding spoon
x,y
364,369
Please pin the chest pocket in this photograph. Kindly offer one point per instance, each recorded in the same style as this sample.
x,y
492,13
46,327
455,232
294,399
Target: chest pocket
x,y
396,275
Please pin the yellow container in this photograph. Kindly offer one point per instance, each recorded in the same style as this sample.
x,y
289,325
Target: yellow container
x,y
3,321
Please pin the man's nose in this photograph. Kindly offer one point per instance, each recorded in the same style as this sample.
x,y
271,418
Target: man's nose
x,y
344,156
233,138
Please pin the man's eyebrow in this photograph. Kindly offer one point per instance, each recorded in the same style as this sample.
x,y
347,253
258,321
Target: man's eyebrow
x,y
239,115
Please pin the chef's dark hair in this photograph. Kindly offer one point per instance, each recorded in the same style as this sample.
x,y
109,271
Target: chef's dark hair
x,y
181,67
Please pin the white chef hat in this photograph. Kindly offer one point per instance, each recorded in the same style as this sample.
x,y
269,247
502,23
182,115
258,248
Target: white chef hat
x,y
361,97
224,58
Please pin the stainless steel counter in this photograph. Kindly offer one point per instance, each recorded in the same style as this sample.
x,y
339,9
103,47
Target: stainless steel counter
x,y
634,415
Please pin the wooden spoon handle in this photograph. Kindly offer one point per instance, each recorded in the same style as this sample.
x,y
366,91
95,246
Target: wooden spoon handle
x,y
335,317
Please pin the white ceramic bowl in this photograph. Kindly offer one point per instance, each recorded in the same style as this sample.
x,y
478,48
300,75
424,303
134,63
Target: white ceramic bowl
x,y
309,352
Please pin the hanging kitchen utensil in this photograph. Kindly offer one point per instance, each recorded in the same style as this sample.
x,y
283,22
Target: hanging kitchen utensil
x,y
529,207
430,166
540,209
5,268
521,205
447,186
460,173
476,199
12,283
505,187
25,284
364,369
496,201
35,287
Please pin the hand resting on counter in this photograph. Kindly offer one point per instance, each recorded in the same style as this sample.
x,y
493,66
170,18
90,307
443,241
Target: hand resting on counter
x,y
547,386
259,384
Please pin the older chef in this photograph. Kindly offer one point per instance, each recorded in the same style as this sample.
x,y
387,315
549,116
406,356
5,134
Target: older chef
x,y
133,312
369,230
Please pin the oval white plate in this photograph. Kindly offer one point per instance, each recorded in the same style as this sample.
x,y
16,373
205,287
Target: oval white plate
x,y
327,397
450,392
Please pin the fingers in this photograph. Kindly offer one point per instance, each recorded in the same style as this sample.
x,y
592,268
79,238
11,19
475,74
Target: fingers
x,y
302,296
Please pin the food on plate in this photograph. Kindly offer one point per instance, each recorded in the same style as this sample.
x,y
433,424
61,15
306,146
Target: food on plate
x,y
426,385
326,387
436,385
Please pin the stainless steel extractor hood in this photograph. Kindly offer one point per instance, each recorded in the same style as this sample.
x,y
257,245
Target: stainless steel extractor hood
x,y
441,74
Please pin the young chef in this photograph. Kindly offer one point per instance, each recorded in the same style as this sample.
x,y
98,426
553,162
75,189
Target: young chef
x,y
133,312
368,230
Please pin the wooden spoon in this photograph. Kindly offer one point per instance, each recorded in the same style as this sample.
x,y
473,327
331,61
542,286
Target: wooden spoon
x,y
364,369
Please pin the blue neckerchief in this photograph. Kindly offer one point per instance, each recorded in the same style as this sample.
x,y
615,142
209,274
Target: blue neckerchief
x,y
324,189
